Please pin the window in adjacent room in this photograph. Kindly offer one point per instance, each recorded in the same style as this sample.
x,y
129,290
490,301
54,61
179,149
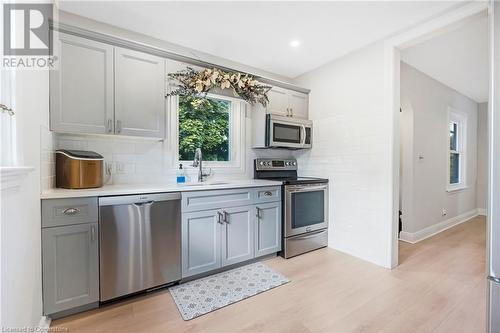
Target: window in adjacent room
x,y
457,126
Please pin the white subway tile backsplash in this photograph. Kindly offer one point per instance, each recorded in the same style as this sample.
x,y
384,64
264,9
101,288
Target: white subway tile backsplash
x,y
130,158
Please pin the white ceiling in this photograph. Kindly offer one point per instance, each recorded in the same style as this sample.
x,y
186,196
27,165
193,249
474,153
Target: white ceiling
x,y
259,33
459,59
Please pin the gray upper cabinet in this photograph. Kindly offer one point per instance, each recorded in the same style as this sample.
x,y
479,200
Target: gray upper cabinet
x,y
267,228
102,89
237,235
299,105
139,94
278,101
288,103
81,89
70,267
200,242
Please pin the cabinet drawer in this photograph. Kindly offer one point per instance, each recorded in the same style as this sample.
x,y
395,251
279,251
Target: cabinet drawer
x,y
204,200
60,212
268,194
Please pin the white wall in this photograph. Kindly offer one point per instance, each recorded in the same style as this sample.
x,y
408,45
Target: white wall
x,y
352,148
482,156
425,103
20,210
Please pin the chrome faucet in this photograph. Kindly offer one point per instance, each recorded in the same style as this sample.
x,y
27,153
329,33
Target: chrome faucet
x,y
198,162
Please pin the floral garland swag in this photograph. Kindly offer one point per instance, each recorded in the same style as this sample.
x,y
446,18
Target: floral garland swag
x,y
199,83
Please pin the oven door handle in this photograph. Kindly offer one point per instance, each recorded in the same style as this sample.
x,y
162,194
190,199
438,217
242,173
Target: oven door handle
x,y
306,188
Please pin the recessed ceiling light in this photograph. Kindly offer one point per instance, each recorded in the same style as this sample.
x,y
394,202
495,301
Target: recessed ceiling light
x,y
294,43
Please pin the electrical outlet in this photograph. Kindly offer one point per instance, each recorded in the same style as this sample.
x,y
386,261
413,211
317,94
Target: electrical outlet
x,y
443,212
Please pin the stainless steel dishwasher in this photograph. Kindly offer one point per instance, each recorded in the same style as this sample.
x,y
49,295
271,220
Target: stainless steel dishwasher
x,y
140,243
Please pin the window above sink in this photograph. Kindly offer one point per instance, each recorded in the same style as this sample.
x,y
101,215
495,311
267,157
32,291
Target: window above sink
x,y
221,122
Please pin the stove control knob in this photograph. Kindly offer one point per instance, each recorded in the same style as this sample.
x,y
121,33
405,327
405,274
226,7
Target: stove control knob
x,y
287,163
294,163
261,163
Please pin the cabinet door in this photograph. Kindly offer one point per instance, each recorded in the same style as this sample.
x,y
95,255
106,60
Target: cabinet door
x,y
201,233
70,267
299,104
278,101
139,94
81,89
237,235
268,228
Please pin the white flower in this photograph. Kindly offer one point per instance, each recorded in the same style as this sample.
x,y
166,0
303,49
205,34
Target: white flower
x,y
225,84
215,76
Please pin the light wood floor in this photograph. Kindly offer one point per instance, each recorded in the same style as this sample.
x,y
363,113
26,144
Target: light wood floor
x,y
440,286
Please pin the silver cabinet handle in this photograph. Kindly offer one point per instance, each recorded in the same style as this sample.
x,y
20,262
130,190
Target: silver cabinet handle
x,y
118,126
219,217
258,212
71,211
226,216
92,233
291,112
110,125
268,193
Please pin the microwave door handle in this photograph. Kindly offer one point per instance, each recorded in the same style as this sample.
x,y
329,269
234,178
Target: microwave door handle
x,y
303,143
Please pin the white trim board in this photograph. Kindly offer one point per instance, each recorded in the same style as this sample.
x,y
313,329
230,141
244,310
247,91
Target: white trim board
x,y
482,211
11,177
415,237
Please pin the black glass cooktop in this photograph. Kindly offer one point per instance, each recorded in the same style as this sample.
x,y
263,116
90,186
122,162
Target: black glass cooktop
x,y
301,180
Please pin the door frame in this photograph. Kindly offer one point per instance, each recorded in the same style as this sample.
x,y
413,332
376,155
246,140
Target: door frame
x,y
392,56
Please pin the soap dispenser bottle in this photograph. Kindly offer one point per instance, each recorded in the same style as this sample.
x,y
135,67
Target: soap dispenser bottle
x,y
181,175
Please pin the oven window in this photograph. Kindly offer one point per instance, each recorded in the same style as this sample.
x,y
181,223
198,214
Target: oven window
x,y
308,208
286,133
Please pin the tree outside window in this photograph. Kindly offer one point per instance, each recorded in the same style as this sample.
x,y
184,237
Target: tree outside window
x,y
204,123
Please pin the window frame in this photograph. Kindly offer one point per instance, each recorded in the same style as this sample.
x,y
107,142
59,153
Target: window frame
x,y
237,134
460,119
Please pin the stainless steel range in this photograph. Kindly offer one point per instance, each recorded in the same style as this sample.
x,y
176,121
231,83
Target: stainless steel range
x,y
305,205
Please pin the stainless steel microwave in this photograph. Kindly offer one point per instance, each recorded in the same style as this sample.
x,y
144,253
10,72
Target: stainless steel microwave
x,y
286,132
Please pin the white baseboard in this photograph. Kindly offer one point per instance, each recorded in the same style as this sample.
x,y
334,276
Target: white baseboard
x,y
414,237
481,211
44,324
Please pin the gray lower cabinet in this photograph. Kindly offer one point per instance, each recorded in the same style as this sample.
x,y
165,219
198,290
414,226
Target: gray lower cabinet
x,y
225,227
267,228
237,234
201,236
70,267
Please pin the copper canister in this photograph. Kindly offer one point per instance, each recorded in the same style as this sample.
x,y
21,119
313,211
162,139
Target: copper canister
x,y
78,169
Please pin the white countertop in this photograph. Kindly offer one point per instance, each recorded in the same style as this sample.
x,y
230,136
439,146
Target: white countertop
x,y
108,190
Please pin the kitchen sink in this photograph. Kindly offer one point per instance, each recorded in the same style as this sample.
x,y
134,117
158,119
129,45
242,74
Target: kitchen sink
x,y
206,183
